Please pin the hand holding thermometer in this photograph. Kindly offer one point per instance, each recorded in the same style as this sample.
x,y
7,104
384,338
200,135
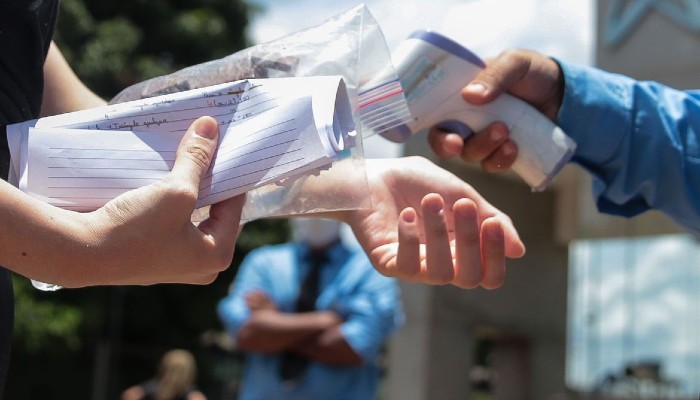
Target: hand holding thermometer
x,y
433,69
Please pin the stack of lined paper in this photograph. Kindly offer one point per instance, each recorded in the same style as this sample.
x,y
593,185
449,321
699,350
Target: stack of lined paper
x,y
271,129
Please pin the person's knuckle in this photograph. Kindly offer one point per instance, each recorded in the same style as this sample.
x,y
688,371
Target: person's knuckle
x,y
475,152
199,153
516,56
206,279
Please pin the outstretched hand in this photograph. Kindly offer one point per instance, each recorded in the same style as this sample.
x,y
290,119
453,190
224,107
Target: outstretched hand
x,y
447,233
528,75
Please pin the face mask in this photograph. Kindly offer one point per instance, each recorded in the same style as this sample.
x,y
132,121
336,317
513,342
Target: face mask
x,y
317,232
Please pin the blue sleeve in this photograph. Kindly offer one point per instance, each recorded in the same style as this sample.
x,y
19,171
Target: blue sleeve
x,y
372,312
639,140
232,309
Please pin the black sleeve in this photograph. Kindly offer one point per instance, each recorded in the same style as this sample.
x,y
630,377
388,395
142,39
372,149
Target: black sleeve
x,y
26,29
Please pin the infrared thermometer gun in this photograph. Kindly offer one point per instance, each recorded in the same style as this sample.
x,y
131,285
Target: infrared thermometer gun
x,y
433,69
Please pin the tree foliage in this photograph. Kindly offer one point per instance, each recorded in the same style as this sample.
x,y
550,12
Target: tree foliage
x,y
43,325
112,44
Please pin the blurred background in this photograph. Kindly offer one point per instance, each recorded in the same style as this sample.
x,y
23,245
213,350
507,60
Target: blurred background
x,y
600,307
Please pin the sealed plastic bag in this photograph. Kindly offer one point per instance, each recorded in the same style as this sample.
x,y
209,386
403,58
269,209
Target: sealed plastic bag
x,y
350,45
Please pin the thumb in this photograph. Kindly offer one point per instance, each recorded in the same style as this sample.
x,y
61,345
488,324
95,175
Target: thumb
x,y
195,152
497,77
477,91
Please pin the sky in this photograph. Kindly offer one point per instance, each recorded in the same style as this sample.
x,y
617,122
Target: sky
x,y
560,28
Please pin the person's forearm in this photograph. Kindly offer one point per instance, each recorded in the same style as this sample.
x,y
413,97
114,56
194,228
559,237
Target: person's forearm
x,y
638,139
596,111
273,331
63,90
40,241
329,347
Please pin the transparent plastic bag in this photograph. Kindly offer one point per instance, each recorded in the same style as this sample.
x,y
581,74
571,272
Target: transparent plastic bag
x,y
351,45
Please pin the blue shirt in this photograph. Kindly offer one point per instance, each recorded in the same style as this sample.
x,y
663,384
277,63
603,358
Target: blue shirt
x,y
368,302
640,141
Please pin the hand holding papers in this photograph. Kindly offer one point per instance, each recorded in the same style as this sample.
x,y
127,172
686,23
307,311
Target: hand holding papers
x,y
272,129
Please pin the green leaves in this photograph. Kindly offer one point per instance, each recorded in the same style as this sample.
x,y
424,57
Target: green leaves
x,y
43,325
112,44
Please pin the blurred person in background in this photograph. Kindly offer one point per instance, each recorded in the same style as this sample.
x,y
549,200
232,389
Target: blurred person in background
x,y
311,316
175,380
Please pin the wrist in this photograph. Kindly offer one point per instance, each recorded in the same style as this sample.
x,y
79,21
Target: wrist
x,y
66,233
560,87
555,84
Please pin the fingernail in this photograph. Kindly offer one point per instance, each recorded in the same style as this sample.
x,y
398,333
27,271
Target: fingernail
x,y
497,135
476,87
508,148
205,129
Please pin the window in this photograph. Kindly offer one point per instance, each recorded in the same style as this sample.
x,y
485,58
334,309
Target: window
x,y
634,316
